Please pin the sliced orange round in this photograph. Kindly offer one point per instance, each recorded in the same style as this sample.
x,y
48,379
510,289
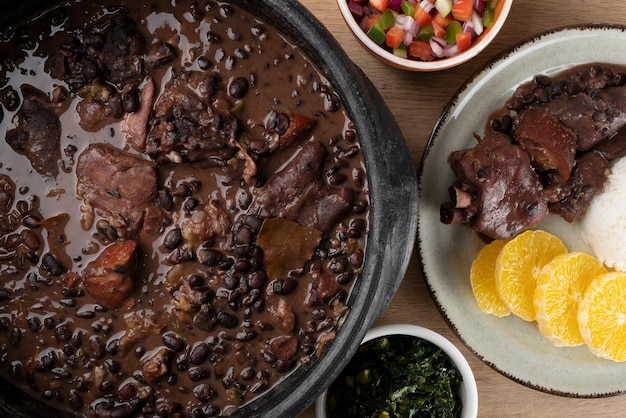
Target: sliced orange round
x,y
602,316
561,285
483,280
517,266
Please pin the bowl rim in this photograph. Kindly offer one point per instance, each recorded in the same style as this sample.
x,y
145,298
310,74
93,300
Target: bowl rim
x,y
470,389
502,11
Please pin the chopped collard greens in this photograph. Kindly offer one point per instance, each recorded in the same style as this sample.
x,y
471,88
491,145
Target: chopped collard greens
x,y
396,376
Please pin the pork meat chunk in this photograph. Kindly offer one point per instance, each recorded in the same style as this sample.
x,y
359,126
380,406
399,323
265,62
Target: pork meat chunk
x,y
497,192
298,193
119,186
38,133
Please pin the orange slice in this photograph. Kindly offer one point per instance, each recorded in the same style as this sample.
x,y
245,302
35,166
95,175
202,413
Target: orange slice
x,y
517,266
561,285
602,316
483,280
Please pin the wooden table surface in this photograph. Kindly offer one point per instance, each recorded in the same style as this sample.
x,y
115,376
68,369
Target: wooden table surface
x,y
417,100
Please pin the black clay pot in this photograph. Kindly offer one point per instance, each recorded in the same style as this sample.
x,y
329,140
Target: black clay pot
x,y
393,212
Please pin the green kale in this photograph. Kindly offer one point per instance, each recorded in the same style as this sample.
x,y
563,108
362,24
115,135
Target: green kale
x,y
396,377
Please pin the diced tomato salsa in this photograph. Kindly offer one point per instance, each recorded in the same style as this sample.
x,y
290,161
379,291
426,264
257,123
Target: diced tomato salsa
x,y
424,30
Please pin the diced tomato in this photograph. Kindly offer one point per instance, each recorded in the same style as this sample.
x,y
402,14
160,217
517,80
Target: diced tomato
x,y
463,40
439,32
422,18
441,20
371,21
421,50
394,37
380,5
462,10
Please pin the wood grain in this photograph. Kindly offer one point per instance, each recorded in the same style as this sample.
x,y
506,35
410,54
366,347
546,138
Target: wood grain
x,y
417,100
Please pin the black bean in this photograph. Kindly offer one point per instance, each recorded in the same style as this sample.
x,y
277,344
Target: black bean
x,y
16,337
345,277
5,294
30,239
52,265
49,322
127,391
122,411
16,370
130,103
227,320
543,80
213,37
242,266
113,346
191,203
75,401
62,332
97,346
106,386
198,373
203,392
34,324
204,63
173,238
238,88
332,103
356,258
209,257
243,236
165,200
195,281
68,302
199,353
231,282
174,341
244,336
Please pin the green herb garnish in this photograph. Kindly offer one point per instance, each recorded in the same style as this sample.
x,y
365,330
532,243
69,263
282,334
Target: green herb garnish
x,y
396,377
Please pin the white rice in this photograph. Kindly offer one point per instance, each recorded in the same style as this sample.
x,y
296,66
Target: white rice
x,y
604,223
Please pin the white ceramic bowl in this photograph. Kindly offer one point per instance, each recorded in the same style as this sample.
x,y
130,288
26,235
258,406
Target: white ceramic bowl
x,y
467,391
502,11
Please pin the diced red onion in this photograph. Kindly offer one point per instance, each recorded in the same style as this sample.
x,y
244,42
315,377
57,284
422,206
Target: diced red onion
x,y
468,26
437,45
355,8
479,6
477,21
427,6
395,5
450,50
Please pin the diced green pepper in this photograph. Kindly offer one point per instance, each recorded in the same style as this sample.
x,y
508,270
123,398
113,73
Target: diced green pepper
x,y
387,19
453,28
376,34
407,8
488,17
425,33
400,51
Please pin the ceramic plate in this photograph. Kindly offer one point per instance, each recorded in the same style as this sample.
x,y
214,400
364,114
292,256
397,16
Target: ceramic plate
x,y
510,345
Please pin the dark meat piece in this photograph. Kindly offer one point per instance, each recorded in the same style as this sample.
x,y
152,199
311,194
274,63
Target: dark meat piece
x,y
111,51
298,193
135,124
109,278
594,116
501,193
186,127
284,346
551,145
156,365
38,133
572,197
587,178
118,185
7,195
